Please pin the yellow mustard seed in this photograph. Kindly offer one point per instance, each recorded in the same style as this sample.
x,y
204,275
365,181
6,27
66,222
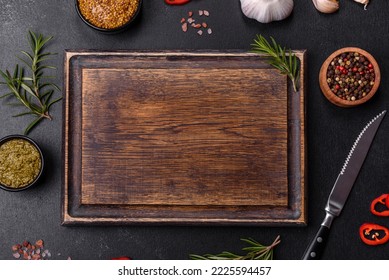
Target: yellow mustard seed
x,y
108,14
20,163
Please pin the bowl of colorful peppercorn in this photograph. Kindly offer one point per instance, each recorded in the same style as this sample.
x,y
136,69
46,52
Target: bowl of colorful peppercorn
x,y
349,77
108,16
21,163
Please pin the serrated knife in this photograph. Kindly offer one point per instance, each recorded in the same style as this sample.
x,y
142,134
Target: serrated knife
x,y
343,186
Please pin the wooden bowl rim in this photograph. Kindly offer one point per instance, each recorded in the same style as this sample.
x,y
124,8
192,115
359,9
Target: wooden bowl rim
x,y
334,98
109,30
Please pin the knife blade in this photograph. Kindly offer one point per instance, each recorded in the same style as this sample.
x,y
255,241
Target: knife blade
x,y
343,185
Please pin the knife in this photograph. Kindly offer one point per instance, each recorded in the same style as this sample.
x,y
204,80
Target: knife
x,y
343,186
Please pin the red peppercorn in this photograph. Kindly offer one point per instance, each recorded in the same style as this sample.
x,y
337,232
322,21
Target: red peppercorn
x,y
345,71
341,68
370,66
337,86
355,69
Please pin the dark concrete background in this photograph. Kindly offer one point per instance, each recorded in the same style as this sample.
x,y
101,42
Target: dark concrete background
x,y
35,214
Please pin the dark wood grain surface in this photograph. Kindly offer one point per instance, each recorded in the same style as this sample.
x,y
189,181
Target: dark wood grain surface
x,y
198,135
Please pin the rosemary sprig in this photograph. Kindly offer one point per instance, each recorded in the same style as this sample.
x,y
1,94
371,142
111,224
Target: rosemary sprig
x,y
282,59
255,251
33,92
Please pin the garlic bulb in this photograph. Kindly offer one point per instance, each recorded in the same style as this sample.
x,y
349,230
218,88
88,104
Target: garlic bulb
x,y
326,6
267,10
366,2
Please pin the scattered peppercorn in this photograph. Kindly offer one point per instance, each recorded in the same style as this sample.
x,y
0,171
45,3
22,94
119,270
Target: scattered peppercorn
x,y
108,14
350,76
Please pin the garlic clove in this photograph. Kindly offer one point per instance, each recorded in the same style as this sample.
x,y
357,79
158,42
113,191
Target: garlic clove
x,y
266,11
365,2
326,6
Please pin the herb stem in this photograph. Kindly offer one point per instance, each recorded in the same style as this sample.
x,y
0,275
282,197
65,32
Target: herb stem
x,y
256,251
31,92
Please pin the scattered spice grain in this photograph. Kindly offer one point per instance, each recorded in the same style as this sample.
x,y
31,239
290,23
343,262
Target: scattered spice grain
x,y
30,251
350,76
108,14
190,22
184,27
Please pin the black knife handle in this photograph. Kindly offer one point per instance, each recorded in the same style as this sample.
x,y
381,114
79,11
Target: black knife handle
x,y
316,248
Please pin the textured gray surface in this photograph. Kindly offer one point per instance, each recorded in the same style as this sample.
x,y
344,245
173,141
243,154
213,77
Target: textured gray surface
x,y
35,214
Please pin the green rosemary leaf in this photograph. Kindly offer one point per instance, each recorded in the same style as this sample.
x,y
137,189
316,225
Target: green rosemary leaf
x,y
28,55
251,249
217,258
227,255
45,56
28,64
23,114
6,95
8,75
19,78
4,75
280,58
15,104
47,77
16,72
250,241
53,102
42,86
44,41
27,88
32,125
45,67
47,96
197,257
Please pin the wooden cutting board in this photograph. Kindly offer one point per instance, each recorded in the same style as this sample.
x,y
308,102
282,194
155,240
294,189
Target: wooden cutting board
x,y
181,138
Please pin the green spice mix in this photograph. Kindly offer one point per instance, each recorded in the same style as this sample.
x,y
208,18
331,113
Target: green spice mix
x,y
20,163
108,14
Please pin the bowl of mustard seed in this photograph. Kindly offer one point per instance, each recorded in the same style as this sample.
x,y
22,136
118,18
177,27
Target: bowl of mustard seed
x,y
349,77
21,163
108,16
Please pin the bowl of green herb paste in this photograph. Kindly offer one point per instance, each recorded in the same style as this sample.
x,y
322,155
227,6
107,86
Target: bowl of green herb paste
x,y
21,162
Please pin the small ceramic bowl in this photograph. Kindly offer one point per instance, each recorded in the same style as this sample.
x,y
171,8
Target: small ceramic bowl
x,y
108,30
331,96
37,176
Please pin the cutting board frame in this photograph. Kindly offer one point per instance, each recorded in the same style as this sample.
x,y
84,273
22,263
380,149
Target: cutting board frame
x,y
77,212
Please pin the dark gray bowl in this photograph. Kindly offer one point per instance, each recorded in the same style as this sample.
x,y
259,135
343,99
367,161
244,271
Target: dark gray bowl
x,y
105,30
12,137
